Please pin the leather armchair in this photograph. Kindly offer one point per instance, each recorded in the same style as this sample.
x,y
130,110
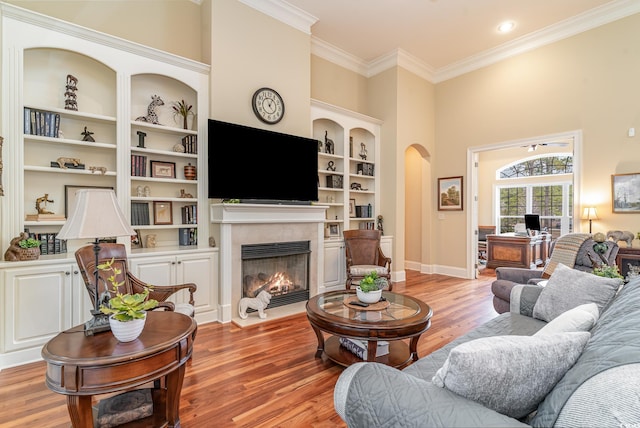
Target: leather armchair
x,y
506,277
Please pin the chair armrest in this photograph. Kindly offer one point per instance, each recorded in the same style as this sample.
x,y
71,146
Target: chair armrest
x,y
517,275
384,260
162,292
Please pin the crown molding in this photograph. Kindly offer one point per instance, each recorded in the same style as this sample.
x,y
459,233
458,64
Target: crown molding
x,y
589,20
593,18
284,12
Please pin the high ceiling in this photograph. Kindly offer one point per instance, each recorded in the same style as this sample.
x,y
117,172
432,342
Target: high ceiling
x,y
442,34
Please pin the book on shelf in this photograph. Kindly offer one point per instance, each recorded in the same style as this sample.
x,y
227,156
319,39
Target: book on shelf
x,y
359,347
43,123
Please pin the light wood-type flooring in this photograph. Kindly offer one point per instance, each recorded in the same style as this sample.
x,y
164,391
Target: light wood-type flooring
x,y
265,375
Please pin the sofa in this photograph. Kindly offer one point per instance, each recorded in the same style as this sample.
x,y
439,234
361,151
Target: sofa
x,y
532,366
507,277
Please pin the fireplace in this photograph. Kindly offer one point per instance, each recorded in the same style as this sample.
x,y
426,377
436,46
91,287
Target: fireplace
x,y
238,225
279,268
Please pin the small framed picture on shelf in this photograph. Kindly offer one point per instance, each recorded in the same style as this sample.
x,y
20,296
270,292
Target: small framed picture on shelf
x,y
625,193
333,230
352,207
136,242
70,196
162,212
450,194
163,169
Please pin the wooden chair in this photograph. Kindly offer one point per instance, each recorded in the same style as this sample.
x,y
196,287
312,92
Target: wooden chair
x,y
87,263
363,253
483,231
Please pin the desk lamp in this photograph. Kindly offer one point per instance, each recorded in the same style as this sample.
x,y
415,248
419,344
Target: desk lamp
x,y
590,214
96,214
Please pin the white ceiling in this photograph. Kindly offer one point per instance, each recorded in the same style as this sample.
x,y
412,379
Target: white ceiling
x,y
442,38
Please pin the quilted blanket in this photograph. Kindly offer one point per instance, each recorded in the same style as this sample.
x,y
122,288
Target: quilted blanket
x,y
565,251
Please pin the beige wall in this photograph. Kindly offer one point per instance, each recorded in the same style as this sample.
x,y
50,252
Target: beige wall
x,y
338,86
588,82
173,26
251,50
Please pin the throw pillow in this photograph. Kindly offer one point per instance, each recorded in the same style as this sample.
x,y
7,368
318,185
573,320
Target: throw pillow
x,y
510,374
568,288
580,318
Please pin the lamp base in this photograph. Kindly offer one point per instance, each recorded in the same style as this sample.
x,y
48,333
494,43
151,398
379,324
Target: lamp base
x,y
98,324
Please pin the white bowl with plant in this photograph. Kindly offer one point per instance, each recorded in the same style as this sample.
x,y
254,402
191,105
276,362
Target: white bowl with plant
x,y
127,312
370,288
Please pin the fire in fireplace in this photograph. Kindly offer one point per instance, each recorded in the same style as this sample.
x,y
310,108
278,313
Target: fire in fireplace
x,y
280,268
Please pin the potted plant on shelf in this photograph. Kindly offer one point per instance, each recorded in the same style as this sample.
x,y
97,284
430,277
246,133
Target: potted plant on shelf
x,y
29,249
127,312
370,288
182,109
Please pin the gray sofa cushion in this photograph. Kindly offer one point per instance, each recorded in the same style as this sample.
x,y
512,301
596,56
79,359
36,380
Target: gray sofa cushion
x,y
510,374
568,288
615,341
580,318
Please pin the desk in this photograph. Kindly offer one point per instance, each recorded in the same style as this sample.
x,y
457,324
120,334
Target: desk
x,y
511,250
80,366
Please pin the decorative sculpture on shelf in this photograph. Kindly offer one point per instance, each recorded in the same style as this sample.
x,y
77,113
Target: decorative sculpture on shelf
x,y
258,303
13,252
329,147
70,102
363,151
380,228
141,136
152,116
87,136
331,166
184,194
619,235
182,109
62,161
43,200
102,169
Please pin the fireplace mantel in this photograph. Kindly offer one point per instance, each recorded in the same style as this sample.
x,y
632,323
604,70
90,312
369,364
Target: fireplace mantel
x,y
240,224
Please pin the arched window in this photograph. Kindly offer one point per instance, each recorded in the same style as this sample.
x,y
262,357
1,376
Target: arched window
x,y
540,185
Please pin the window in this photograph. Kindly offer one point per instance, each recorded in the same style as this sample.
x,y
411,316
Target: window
x,y
553,201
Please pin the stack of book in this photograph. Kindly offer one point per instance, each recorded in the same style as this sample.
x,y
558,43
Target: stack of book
x,y
139,214
43,123
190,144
359,347
138,166
190,214
49,244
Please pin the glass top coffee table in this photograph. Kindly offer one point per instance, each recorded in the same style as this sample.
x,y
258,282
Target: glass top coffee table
x,y
397,317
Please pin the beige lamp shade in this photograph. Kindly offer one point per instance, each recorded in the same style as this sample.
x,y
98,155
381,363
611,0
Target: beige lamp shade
x,y
96,214
589,213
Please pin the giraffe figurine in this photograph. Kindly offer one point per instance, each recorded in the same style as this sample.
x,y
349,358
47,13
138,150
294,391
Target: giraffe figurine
x,y
152,116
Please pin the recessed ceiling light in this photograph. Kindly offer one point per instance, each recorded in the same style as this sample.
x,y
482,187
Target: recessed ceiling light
x,y
506,26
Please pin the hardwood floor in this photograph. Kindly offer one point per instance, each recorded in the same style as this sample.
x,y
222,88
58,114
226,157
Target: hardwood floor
x,y
266,375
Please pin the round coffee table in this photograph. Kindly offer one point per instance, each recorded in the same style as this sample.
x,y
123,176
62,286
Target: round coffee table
x,y
398,317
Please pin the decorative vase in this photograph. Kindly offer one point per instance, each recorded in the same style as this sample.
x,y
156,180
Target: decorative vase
x,y
368,297
127,331
32,253
190,172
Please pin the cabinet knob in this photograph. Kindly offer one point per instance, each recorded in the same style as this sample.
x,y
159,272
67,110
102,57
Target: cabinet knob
x,y
75,272
67,273
179,262
173,263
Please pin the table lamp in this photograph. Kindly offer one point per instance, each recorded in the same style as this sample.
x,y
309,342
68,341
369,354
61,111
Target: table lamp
x,y
96,214
590,214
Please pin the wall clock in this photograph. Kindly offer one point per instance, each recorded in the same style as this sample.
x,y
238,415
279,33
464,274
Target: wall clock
x,y
268,105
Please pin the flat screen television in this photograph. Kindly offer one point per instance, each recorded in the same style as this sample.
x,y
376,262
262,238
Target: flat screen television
x,y
261,166
532,221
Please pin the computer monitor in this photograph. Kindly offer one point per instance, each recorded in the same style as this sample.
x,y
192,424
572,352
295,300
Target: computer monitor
x,y
532,222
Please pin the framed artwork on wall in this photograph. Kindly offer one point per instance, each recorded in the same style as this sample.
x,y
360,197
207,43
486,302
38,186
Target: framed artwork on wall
x,y
162,212
625,193
450,197
163,169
